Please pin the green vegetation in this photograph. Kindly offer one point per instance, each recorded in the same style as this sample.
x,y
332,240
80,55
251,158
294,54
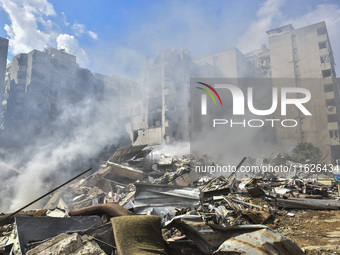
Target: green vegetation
x,y
305,153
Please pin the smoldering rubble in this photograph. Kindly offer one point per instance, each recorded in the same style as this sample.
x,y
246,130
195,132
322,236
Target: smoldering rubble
x,y
143,202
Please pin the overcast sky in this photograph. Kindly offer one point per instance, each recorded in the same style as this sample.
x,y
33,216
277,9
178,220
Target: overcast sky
x,y
115,36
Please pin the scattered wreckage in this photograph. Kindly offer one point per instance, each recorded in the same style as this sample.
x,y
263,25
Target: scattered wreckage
x,y
141,204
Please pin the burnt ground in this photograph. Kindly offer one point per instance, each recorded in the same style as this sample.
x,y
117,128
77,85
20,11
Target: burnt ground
x,y
315,231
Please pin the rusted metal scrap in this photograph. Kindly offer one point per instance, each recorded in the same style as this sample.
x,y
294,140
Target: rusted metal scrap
x,y
109,209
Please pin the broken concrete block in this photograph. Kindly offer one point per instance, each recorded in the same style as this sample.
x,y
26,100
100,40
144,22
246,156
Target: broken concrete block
x,y
65,244
259,217
187,179
35,229
88,248
61,244
126,171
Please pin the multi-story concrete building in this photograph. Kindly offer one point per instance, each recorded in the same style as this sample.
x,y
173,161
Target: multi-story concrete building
x,y
38,84
162,113
229,64
3,62
161,100
305,57
260,60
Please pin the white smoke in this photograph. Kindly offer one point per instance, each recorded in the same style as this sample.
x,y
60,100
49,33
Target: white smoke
x,y
80,133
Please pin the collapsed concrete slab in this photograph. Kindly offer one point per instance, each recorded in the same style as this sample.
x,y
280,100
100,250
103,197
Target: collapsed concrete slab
x,y
41,228
64,244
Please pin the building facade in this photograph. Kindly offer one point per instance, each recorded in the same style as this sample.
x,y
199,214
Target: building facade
x,y
3,63
37,86
161,111
305,57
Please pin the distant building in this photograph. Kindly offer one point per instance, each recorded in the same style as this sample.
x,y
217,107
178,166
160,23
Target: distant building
x,y
37,85
260,60
229,64
3,62
161,111
305,55
162,98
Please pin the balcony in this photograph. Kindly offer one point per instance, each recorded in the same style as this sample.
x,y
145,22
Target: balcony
x,y
333,126
329,95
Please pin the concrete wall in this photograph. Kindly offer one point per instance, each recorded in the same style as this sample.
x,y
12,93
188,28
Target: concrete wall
x,y
296,54
38,86
3,62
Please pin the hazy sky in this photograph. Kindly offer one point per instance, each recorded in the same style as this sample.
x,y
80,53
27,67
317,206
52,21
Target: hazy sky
x,y
115,36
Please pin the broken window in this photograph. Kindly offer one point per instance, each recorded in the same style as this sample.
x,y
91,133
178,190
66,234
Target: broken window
x,y
323,45
53,107
155,104
215,60
135,135
328,87
326,73
40,105
324,59
331,135
334,134
332,118
321,31
330,102
21,75
37,130
53,93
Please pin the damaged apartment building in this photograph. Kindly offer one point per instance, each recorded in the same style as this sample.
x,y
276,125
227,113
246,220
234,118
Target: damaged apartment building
x,y
305,56
36,88
299,55
161,109
158,109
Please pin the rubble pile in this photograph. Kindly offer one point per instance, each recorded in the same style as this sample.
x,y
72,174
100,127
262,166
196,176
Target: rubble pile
x,y
142,203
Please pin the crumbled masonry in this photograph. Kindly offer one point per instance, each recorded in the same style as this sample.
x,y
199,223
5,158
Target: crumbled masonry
x,y
140,203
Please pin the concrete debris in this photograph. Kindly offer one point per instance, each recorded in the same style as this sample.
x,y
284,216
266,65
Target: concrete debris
x,y
65,244
126,153
173,209
33,229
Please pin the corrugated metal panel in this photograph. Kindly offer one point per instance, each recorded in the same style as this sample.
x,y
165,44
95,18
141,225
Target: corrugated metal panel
x,y
125,153
243,239
259,242
160,199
